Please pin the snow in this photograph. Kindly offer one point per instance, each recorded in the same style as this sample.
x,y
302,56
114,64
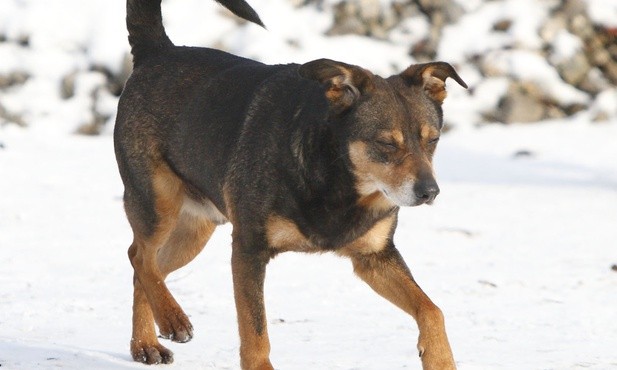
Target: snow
x,y
603,12
606,102
566,46
517,250
530,66
477,27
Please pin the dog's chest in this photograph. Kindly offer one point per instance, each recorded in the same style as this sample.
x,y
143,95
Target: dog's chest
x,y
284,235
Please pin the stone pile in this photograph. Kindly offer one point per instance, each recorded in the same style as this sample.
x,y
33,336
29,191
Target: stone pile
x,y
582,53
574,49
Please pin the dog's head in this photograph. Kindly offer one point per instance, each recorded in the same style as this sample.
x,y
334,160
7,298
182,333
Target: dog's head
x,y
391,126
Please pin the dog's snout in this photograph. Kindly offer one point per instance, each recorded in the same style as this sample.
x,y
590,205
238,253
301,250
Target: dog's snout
x,y
426,190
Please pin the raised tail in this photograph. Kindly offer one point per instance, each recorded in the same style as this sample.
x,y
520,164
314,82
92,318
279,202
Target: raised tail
x,y
243,10
145,24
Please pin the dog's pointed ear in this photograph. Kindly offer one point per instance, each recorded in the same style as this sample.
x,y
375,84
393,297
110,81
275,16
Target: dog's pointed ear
x,y
432,77
344,83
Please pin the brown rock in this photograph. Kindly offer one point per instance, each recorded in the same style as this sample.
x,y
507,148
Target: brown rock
x,y
522,103
575,69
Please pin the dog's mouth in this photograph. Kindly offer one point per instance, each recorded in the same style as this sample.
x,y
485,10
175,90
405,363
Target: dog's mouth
x,y
407,200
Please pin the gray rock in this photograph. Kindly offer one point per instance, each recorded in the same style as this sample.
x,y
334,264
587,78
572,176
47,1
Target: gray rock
x,y
575,69
522,103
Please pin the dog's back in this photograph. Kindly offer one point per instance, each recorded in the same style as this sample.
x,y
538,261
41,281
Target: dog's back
x,y
207,87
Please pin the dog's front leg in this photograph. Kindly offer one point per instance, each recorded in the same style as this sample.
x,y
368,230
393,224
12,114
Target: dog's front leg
x,y
386,272
249,271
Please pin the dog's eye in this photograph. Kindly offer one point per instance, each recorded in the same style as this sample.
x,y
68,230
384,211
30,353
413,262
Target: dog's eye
x,y
387,146
433,141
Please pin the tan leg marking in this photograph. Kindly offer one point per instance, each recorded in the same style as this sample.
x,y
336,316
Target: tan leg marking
x,y
388,275
178,238
249,271
248,277
145,346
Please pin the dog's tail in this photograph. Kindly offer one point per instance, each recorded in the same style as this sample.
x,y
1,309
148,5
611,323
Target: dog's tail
x,y
145,24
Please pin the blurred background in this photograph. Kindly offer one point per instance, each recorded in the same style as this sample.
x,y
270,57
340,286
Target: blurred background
x,y
524,60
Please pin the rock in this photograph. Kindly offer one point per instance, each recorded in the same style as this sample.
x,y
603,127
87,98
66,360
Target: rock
x,y
594,82
116,80
575,69
363,17
552,27
613,50
502,25
424,51
610,71
13,79
97,122
600,117
9,117
522,103
67,85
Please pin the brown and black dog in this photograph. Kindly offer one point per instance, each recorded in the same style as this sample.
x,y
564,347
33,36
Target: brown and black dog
x,y
313,157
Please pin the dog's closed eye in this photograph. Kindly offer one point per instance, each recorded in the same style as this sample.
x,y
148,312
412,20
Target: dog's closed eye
x,y
387,146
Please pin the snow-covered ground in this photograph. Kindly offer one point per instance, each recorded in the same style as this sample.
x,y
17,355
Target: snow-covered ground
x,y
517,250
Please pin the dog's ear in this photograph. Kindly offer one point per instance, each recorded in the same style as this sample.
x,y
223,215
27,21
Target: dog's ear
x,y
344,83
432,77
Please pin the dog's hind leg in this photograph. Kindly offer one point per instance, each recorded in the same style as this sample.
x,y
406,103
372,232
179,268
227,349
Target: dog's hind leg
x,y
186,241
152,300
386,272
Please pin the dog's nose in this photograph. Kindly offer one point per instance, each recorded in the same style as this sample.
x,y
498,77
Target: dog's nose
x,y
426,190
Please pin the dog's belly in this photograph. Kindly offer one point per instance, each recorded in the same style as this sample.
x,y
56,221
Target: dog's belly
x,y
203,208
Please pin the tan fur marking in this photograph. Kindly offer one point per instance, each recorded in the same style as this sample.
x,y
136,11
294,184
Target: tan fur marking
x,y
428,132
398,137
388,275
284,235
204,209
373,241
434,86
372,176
175,241
144,338
376,202
168,196
185,243
248,281
338,91
433,344
364,169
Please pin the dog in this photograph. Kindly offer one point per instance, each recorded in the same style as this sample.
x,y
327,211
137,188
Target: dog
x,y
313,157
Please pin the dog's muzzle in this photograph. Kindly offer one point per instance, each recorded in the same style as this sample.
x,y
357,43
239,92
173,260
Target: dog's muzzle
x,y
413,193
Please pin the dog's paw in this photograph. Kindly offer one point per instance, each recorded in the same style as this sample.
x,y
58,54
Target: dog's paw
x,y
176,327
151,354
436,360
265,365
